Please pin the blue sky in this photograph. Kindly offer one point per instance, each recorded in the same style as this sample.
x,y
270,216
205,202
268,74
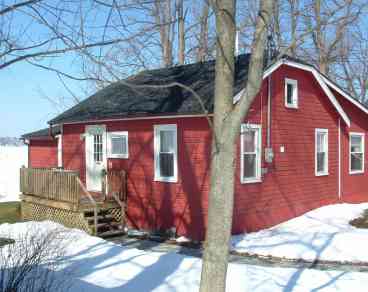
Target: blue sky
x,y
24,94
24,88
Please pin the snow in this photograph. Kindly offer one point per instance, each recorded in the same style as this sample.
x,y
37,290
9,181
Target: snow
x,y
94,264
12,158
324,234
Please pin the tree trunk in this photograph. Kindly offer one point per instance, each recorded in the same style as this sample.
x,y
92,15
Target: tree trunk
x,y
319,38
220,207
203,36
162,12
181,32
294,22
226,129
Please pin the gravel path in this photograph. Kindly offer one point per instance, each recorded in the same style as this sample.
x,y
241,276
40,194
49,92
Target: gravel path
x,y
149,245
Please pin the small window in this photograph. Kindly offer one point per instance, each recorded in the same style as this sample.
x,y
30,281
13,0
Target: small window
x,y
165,147
118,145
356,153
321,155
250,153
291,93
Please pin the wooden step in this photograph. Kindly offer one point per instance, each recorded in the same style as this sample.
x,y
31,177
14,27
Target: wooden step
x,y
101,219
112,233
106,226
111,225
100,212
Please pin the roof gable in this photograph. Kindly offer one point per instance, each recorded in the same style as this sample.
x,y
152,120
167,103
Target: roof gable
x,y
319,78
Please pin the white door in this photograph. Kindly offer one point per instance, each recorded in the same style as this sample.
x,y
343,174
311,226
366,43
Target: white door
x,y
95,156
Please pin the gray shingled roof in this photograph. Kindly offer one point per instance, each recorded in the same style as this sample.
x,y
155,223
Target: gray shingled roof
x,y
43,133
133,97
120,100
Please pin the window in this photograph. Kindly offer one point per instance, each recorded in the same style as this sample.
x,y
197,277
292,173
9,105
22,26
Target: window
x,y
165,147
291,93
321,152
356,153
97,148
118,145
250,153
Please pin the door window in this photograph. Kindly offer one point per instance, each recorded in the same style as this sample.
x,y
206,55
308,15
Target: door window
x,y
97,148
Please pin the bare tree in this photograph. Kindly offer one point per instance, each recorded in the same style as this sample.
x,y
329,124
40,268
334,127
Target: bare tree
x,y
285,24
203,35
226,129
56,36
294,6
181,31
33,261
330,23
351,69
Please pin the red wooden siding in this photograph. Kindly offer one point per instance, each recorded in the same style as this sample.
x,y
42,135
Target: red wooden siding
x,y
288,189
354,186
156,204
73,149
42,153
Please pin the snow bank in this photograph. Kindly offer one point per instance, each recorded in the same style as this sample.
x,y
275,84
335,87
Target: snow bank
x,y
11,160
97,265
324,234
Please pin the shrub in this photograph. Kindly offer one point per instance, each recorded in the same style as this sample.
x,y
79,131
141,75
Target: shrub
x,y
32,262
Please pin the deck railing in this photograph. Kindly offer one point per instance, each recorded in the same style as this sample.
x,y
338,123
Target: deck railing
x,y
65,186
52,184
116,181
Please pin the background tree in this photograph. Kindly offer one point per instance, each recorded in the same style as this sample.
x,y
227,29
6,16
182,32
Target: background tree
x,y
329,22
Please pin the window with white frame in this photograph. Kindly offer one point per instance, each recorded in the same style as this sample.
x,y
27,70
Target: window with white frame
x,y
166,153
356,153
250,159
321,152
291,93
117,144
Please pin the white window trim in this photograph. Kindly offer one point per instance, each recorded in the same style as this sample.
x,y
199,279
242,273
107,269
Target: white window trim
x,y
59,150
157,130
325,172
295,96
109,145
257,178
363,152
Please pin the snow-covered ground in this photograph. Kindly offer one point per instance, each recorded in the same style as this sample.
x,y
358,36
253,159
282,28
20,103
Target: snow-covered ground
x,y
11,160
93,264
324,234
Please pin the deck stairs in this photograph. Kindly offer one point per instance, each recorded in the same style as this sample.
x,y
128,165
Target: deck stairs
x,y
107,225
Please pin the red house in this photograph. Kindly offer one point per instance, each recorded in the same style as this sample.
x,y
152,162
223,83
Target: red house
x,y
302,145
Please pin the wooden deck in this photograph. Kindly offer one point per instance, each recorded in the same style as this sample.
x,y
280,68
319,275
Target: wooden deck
x,y
60,195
